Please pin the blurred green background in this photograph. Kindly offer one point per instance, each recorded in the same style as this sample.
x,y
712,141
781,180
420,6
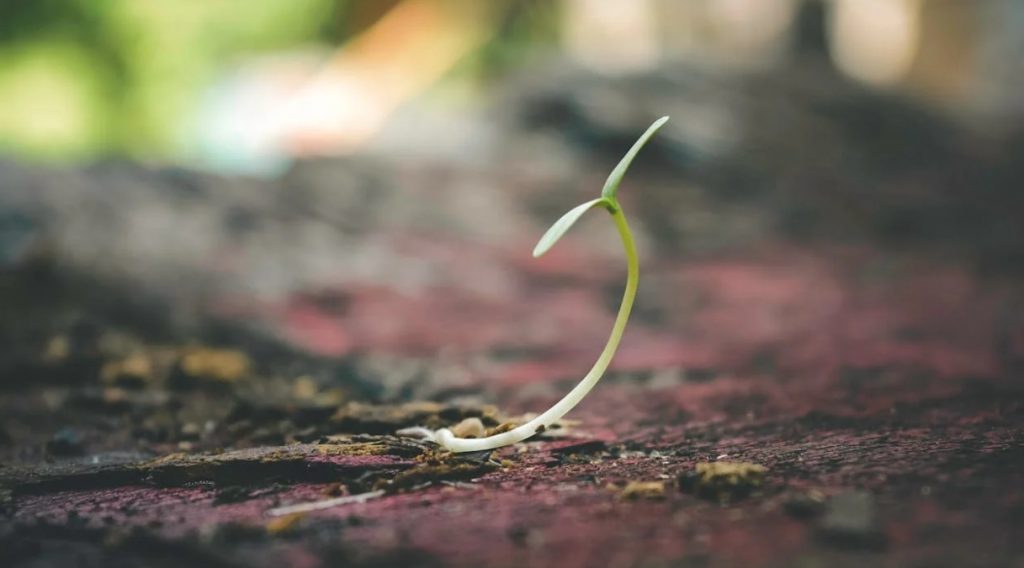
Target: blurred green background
x,y
86,79
90,77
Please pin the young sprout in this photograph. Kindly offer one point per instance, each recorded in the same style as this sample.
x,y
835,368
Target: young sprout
x,y
609,202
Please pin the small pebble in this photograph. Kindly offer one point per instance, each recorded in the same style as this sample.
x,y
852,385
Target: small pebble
x,y
469,428
851,521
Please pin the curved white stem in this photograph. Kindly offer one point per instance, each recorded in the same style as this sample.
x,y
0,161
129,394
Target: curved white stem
x,y
447,439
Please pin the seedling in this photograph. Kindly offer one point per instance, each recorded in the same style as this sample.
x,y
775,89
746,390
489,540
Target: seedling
x,y
445,438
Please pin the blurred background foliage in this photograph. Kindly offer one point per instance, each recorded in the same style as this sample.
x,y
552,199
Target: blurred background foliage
x,y
86,77
151,79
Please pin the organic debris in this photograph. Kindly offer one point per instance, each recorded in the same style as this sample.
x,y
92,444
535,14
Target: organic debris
x,y
643,490
221,365
501,428
723,481
387,419
284,524
436,465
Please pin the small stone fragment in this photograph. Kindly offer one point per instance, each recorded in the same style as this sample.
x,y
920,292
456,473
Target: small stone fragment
x,y
469,428
851,521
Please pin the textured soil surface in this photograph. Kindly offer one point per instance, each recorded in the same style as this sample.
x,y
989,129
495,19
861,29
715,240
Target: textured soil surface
x,y
824,367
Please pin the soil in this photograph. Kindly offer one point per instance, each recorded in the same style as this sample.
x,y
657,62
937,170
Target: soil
x,y
802,383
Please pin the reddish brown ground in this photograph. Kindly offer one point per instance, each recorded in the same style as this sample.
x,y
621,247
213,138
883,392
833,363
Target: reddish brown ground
x,y
835,374
876,376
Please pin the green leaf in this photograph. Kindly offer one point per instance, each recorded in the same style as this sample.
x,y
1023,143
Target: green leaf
x,y
563,224
612,184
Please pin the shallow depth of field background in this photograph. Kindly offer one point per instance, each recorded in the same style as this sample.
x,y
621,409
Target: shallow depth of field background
x,y
247,86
